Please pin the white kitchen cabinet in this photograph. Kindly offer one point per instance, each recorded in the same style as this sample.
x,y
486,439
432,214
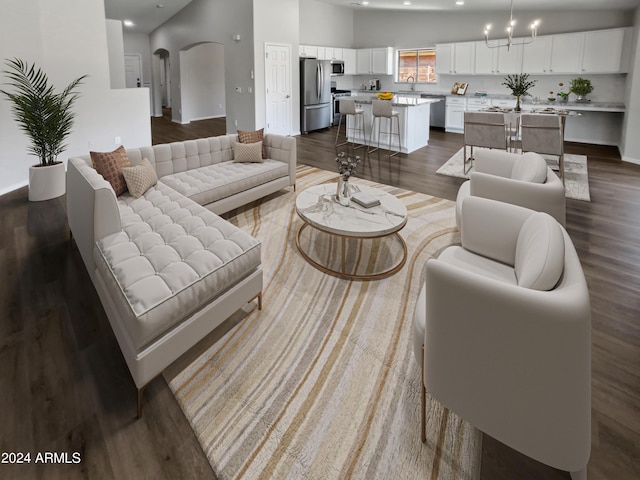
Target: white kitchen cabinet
x,y
454,114
485,59
363,61
374,61
455,58
349,57
444,58
382,61
509,61
308,51
504,102
536,56
463,58
475,104
603,51
566,53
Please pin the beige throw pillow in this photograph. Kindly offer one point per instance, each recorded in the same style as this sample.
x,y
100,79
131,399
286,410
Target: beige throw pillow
x,y
247,152
140,178
109,164
253,137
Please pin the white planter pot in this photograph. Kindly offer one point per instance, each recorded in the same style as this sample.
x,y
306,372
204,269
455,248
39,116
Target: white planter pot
x,y
47,182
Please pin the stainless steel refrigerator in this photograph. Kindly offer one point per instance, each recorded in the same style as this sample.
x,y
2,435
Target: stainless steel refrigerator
x,y
315,92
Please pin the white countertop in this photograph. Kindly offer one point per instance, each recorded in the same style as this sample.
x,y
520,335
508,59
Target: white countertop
x,y
396,101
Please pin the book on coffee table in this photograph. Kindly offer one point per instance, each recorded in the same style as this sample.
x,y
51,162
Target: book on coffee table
x,y
367,201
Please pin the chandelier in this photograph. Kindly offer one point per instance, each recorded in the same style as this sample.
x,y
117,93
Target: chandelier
x,y
509,41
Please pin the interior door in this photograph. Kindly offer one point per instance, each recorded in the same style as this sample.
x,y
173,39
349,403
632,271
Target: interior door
x,y
133,71
278,85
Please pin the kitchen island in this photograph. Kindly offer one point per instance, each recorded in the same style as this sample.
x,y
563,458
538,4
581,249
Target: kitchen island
x,y
414,122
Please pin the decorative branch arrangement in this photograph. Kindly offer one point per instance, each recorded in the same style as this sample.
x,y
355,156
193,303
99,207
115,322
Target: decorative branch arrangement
x,y
519,84
346,165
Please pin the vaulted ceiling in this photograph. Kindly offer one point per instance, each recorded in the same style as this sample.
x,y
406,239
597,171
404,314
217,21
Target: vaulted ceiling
x,y
147,15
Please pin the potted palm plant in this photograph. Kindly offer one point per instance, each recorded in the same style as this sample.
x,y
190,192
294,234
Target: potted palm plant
x,y
519,86
46,117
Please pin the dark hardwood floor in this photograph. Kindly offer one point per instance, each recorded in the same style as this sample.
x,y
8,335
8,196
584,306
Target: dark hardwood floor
x,y
64,385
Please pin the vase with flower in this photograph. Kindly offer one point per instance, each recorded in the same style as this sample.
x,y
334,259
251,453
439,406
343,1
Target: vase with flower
x,y
562,96
519,84
346,167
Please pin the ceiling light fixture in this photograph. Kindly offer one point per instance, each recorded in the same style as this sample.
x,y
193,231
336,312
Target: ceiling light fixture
x,y
460,2
509,41
365,3
406,3
128,23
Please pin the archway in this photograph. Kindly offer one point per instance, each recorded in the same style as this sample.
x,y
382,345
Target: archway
x,y
202,81
162,81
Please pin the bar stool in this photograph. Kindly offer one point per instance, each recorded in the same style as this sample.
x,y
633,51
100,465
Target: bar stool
x,y
348,107
382,109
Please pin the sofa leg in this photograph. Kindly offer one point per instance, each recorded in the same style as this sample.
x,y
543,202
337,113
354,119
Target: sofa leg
x,y
579,475
140,393
423,402
260,301
294,187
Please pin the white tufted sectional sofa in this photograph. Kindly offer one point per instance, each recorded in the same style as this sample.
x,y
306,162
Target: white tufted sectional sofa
x,y
168,270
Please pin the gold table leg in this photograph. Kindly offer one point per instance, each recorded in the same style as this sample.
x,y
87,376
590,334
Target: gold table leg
x,y
343,273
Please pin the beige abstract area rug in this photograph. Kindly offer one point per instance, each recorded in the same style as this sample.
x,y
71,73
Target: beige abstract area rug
x,y
322,383
575,170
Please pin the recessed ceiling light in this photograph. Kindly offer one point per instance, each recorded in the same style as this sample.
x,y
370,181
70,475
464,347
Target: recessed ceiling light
x,y
160,5
406,3
365,3
460,2
128,23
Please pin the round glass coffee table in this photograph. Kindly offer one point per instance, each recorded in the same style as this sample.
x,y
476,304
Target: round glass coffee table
x,y
317,207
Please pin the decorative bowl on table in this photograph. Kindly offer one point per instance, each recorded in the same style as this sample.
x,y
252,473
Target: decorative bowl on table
x,y
384,95
551,99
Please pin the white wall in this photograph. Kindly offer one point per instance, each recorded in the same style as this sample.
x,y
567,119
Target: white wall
x,y
115,45
325,24
139,44
46,32
630,137
214,21
278,23
202,75
424,29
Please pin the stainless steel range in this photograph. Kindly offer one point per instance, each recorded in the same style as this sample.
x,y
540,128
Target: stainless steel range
x,y
335,108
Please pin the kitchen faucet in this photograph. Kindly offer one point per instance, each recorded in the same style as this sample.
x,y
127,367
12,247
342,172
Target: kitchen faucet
x,y
413,85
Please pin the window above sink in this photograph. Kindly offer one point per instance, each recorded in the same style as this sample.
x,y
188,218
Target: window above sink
x,y
416,66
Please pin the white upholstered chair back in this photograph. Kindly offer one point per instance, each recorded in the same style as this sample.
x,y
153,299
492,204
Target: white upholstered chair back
x,y
382,108
347,106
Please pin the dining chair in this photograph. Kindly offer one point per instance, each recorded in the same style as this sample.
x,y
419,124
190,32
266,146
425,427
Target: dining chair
x,y
543,134
483,129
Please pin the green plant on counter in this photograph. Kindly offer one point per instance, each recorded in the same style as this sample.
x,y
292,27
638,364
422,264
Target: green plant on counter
x,y
519,84
581,86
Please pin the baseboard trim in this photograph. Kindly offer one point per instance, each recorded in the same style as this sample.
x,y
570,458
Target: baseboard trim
x,y
631,160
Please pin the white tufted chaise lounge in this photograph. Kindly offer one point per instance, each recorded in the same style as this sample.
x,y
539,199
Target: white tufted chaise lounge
x,y
168,270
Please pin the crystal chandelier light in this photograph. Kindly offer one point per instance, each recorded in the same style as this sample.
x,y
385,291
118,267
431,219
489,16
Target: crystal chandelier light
x,y
509,41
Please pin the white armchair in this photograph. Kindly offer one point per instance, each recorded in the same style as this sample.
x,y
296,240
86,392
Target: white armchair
x,y
502,330
523,180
